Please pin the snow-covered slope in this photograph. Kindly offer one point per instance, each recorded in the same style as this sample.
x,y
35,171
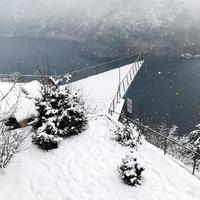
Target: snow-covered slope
x,y
85,166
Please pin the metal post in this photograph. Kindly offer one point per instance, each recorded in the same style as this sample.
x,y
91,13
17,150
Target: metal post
x,y
119,80
118,96
134,70
137,66
86,74
72,77
97,70
194,164
124,86
113,106
165,147
127,80
131,76
119,75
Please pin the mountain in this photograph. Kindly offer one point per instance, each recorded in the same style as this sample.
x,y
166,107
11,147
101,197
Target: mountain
x,y
112,27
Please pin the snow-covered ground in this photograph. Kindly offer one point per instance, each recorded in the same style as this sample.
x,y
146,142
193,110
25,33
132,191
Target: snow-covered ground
x,y
84,167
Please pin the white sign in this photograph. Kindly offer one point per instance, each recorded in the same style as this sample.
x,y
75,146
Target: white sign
x,y
129,105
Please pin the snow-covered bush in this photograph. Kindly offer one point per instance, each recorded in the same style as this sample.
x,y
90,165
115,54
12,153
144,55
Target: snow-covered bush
x,y
131,171
60,114
127,135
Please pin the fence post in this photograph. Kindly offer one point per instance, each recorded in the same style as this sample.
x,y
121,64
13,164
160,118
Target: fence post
x,y
86,73
124,86
194,164
136,66
120,95
165,147
113,105
73,77
127,80
131,76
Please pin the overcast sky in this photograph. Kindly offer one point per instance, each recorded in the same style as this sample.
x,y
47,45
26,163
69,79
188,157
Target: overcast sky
x,y
59,7
15,11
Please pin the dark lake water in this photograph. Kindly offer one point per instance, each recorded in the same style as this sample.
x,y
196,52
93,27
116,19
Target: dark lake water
x,y
168,90
164,90
24,54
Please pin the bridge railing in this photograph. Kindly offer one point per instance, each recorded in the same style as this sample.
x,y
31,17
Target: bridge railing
x,y
125,83
18,77
100,68
167,140
76,74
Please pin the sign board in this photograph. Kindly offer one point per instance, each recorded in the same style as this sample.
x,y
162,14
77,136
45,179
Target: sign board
x,y
129,104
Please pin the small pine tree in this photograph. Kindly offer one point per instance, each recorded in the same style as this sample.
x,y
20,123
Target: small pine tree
x,y
60,114
131,171
127,135
194,139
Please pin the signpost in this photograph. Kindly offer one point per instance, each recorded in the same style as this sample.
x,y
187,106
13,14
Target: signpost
x,y
129,105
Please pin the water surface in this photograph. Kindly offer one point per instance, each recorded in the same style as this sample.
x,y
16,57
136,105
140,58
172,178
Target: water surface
x,y
168,90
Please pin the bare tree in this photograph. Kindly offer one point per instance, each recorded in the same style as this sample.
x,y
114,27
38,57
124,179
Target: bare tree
x,y
11,141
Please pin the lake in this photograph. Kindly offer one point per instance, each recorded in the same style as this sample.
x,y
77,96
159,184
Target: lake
x,y
168,90
25,54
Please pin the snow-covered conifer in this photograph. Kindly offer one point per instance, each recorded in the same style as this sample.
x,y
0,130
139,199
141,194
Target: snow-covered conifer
x,y
131,171
127,135
60,114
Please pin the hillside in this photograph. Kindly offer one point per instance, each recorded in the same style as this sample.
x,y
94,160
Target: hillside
x,y
85,166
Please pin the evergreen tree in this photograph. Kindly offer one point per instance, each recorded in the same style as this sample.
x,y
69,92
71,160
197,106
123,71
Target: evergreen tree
x,y
131,171
60,114
127,135
194,138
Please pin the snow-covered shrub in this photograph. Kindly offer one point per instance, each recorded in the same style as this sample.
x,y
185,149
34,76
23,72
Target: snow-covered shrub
x,y
127,135
60,114
131,171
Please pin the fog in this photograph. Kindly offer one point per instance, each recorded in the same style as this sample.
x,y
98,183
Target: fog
x,y
36,16
49,8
